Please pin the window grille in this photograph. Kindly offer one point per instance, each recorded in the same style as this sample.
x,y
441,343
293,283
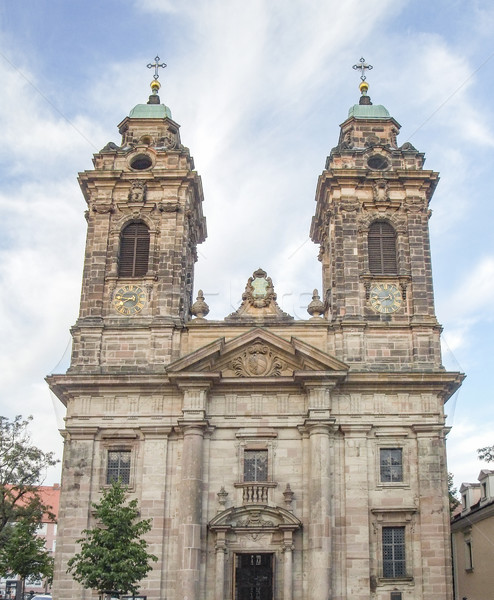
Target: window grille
x,y
382,249
134,250
255,465
393,539
118,467
391,463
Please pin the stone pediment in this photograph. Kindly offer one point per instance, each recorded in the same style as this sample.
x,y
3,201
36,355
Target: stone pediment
x,y
258,354
255,518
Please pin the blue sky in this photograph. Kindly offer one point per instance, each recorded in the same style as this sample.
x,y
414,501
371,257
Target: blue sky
x,y
259,89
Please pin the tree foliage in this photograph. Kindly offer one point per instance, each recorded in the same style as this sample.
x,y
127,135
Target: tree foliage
x,y
452,493
486,453
24,553
113,556
22,468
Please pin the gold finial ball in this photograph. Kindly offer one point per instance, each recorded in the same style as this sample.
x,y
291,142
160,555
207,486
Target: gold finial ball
x,y
155,85
363,87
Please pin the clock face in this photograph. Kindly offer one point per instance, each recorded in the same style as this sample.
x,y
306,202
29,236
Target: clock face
x,y
129,300
385,298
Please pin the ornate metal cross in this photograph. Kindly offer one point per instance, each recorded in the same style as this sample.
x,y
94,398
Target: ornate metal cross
x,y
361,67
156,65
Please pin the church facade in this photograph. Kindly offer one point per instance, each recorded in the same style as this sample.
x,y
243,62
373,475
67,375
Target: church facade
x,y
278,459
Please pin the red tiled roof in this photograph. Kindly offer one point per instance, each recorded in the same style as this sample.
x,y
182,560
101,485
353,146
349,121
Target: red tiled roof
x,y
50,495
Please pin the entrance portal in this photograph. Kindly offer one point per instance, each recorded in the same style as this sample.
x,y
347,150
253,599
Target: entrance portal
x,y
253,577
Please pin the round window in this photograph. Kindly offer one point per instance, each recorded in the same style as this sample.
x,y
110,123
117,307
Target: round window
x,y
141,162
377,162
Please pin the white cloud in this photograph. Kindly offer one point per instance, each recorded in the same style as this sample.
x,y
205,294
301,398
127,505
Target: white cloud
x,y
259,89
462,444
472,299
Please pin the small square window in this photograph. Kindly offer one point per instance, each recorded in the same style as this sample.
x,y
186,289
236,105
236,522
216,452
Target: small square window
x,y
255,465
118,467
391,465
393,541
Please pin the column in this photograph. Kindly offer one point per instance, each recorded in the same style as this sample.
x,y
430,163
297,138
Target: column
x,y
320,511
190,513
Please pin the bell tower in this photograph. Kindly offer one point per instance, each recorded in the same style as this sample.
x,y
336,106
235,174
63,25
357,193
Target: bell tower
x,y
144,224
371,223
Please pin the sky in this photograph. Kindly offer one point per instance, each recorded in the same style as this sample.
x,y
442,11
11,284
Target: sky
x,y
259,89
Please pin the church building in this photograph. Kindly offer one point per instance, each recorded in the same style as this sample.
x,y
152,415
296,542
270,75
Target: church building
x,y
278,459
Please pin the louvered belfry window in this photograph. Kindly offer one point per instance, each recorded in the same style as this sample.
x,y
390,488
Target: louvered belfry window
x,y
134,251
382,249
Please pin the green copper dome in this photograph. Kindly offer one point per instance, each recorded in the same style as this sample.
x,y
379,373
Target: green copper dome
x,y
150,111
368,111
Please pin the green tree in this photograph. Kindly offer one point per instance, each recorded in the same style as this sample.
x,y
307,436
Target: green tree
x,y
452,493
486,453
24,553
23,467
113,557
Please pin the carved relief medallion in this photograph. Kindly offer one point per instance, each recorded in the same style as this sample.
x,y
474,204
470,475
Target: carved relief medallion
x,y
137,192
259,290
257,360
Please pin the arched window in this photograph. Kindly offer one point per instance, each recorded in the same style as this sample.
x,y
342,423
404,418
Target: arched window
x,y
382,249
134,250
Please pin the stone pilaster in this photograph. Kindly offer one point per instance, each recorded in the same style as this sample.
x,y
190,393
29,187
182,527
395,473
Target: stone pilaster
x,y
73,514
287,550
356,503
434,513
220,549
152,504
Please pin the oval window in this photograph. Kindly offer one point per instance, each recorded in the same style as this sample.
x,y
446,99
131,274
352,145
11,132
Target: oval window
x,y
141,162
378,162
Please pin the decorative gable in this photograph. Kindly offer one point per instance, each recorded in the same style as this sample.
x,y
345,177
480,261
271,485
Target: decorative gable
x,y
258,354
255,519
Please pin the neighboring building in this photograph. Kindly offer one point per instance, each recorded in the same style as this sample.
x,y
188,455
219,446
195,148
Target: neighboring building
x,y
472,529
277,458
50,496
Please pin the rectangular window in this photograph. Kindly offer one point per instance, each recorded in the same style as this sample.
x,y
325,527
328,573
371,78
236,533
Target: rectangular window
x,y
42,529
391,462
118,467
255,465
393,552
468,556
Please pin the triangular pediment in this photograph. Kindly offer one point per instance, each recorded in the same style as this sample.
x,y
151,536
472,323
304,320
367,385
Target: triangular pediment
x,y
258,353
